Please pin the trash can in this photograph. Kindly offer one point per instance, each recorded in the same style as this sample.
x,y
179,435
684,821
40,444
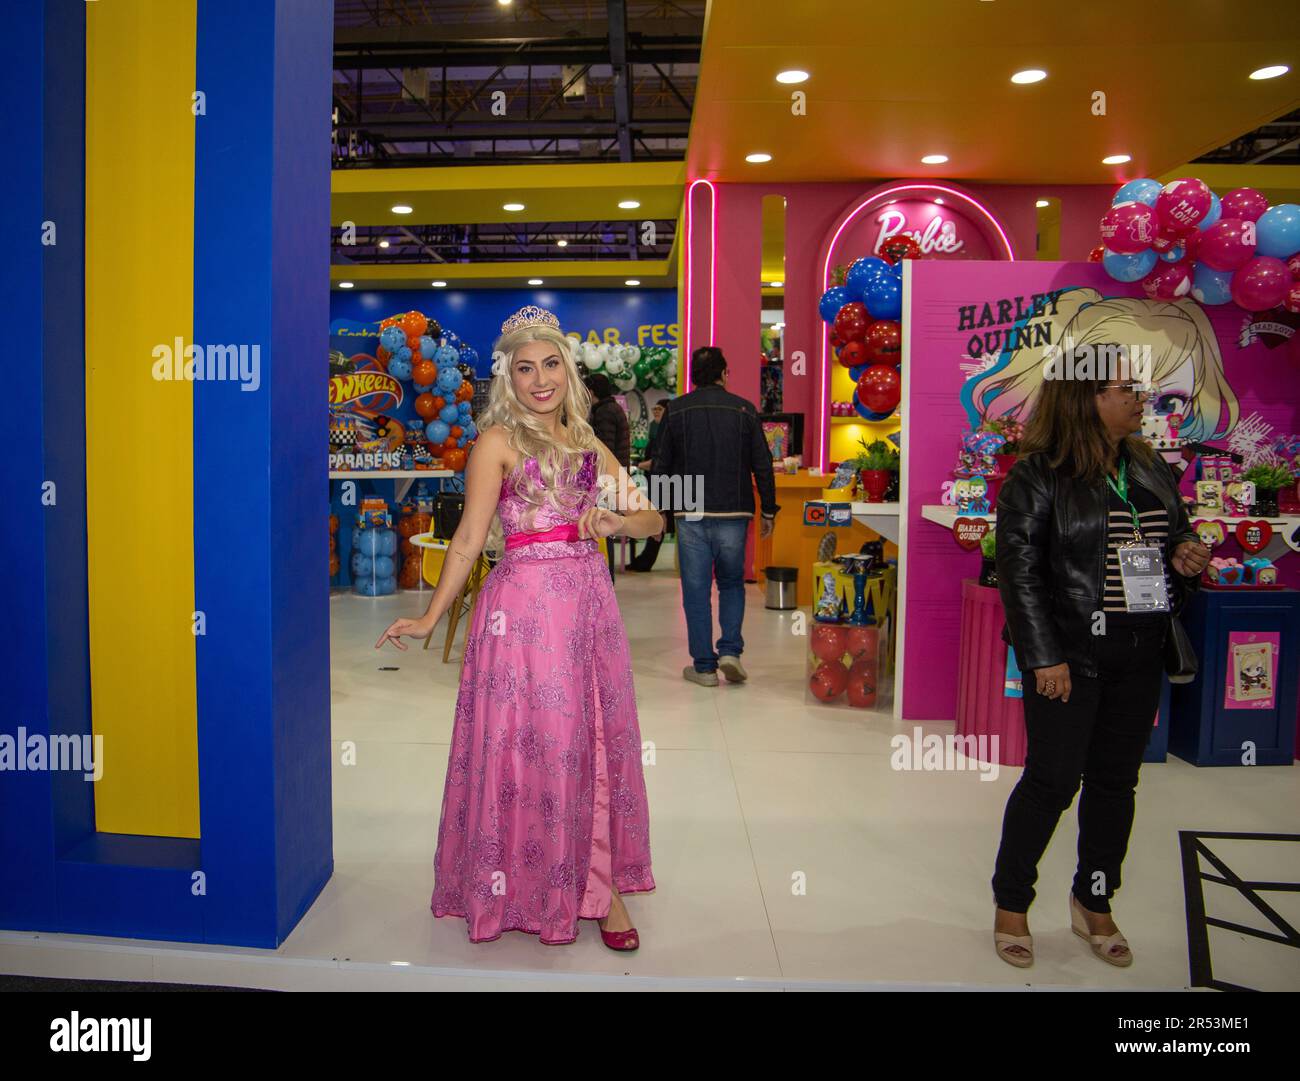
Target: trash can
x,y
782,588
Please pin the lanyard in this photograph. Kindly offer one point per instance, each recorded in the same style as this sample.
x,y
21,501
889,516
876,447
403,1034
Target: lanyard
x,y
1121,490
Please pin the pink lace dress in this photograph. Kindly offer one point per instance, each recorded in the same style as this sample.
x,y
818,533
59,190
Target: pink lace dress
x,y
545,804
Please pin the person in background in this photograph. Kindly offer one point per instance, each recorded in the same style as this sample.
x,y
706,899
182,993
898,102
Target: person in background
x,y
609,421
1086,499
645,560
709,455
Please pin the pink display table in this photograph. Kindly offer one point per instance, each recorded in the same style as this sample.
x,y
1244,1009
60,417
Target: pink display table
x,y
983,709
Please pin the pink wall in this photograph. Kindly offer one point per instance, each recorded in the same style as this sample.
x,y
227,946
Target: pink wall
x,y
812,211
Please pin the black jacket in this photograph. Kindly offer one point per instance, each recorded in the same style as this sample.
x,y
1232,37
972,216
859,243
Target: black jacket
x,y
609,422
1052,534
712,440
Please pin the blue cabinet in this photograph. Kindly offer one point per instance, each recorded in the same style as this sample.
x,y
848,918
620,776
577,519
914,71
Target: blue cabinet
x,y
1201,729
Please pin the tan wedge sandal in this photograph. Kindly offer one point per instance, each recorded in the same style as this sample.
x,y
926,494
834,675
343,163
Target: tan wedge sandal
x,y
1004,944
1113,949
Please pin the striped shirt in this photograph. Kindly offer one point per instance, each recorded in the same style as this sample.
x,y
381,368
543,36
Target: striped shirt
x,y
1154,520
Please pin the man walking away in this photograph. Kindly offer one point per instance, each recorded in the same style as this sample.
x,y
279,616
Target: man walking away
x,y
609,422
711,452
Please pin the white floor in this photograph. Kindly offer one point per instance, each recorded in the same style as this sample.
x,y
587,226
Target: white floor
x,y
753,790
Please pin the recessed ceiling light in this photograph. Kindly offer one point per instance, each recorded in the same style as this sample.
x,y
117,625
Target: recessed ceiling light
x,y
1117,159
505,3
514,208
1029,75
939,199
757,159
633,281
561,243
534,281
1041,203
776,285
401,208
383,243
439,285
934,159
794,75
1271,72
345,285
628,204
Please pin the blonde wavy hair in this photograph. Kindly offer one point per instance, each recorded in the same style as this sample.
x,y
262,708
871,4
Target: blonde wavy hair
x,y
528,435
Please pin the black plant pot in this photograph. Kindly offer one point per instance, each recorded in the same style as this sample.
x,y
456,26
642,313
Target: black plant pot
x,y
988,572
1265,505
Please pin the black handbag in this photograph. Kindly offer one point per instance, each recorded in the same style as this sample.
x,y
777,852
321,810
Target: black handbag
x,y
1181,664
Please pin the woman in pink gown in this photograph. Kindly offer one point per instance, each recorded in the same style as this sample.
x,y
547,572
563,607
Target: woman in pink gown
x,y
544,814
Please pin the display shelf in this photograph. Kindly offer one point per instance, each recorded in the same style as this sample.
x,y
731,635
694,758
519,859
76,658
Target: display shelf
x,y
883,518
404,477
945,516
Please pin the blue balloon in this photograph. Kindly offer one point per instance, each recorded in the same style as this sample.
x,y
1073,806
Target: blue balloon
x,y
1174,254
832,301
437,431
897,269
384,566
392,338
404,353
1142,190
868,414
856,371
387,542
884,297
399,369
445,355
464,408
462,441
1278,231
372,542
1129,268
427,347
361,565
1216,209
449,379
1210,286
422,388
470,429
863,272
450,413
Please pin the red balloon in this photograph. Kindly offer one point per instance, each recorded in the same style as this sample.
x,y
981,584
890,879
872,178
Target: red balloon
x,y
1165,242
836,341
884,342
1128,228
1293,265
852,321
425,373
828,641
879,388
1227,244
862,683
1168,281
1291,302
863,641
1261,284
1181,205
1095,256
1244,203
829,681
854,353
425,407
1192,245
900,247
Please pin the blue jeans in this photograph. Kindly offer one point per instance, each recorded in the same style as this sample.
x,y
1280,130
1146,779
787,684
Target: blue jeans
x,y
706,548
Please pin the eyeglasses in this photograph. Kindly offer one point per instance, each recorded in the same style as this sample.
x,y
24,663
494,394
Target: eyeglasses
x,y
1129,390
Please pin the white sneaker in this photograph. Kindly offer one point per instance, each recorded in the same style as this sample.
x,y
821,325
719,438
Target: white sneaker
x,y
732,669
704,679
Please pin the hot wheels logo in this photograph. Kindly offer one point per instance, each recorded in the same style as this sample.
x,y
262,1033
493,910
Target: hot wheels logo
x,y
372,392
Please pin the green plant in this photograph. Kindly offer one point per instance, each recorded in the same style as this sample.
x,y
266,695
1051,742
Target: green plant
x,y
877,455
1269,477
988,544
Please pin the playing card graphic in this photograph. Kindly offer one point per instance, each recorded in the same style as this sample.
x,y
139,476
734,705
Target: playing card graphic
x,y
1252,670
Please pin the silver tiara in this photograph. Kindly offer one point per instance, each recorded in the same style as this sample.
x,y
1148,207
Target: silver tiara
x,y
531,316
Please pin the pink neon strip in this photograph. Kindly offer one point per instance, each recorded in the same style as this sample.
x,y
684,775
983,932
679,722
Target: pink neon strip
x,y
690,269
830,254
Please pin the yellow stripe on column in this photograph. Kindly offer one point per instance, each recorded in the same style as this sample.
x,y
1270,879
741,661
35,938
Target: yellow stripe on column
x,y
140,76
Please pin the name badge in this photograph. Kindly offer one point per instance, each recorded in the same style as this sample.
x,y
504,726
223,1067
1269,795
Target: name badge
x,y
1142,570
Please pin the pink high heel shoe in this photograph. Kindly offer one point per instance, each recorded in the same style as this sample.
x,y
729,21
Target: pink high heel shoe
x,y
623,941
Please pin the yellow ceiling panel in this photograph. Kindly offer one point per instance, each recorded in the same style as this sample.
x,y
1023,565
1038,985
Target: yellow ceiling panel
x,y
651,273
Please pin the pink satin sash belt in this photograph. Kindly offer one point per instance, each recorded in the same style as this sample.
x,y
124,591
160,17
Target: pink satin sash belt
x,y
566,532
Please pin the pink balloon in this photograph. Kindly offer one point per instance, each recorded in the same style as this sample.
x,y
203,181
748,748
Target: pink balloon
x,y
1182,204
1192,245
1168,281
1128,228
1291,302
1260,284
1227,244
1244,203
1165,242
1293,265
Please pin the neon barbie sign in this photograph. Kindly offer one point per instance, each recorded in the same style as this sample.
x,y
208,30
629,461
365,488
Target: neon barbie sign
x,y
936,235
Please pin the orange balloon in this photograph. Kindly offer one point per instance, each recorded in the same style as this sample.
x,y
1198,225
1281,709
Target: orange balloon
x,y
457,430
449,444
425,373
465,392
414,324
334,523
440,402
382,353
334,565
425,407
454,460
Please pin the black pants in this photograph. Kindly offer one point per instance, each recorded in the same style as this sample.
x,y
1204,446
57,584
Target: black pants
x,y
1099,738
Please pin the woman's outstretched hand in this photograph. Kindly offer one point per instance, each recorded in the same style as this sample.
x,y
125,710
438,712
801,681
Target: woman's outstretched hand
x,y
596,522
1190,558
409,628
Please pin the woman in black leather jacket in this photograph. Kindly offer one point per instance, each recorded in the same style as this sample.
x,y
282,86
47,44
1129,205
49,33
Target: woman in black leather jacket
x,y
1085,495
